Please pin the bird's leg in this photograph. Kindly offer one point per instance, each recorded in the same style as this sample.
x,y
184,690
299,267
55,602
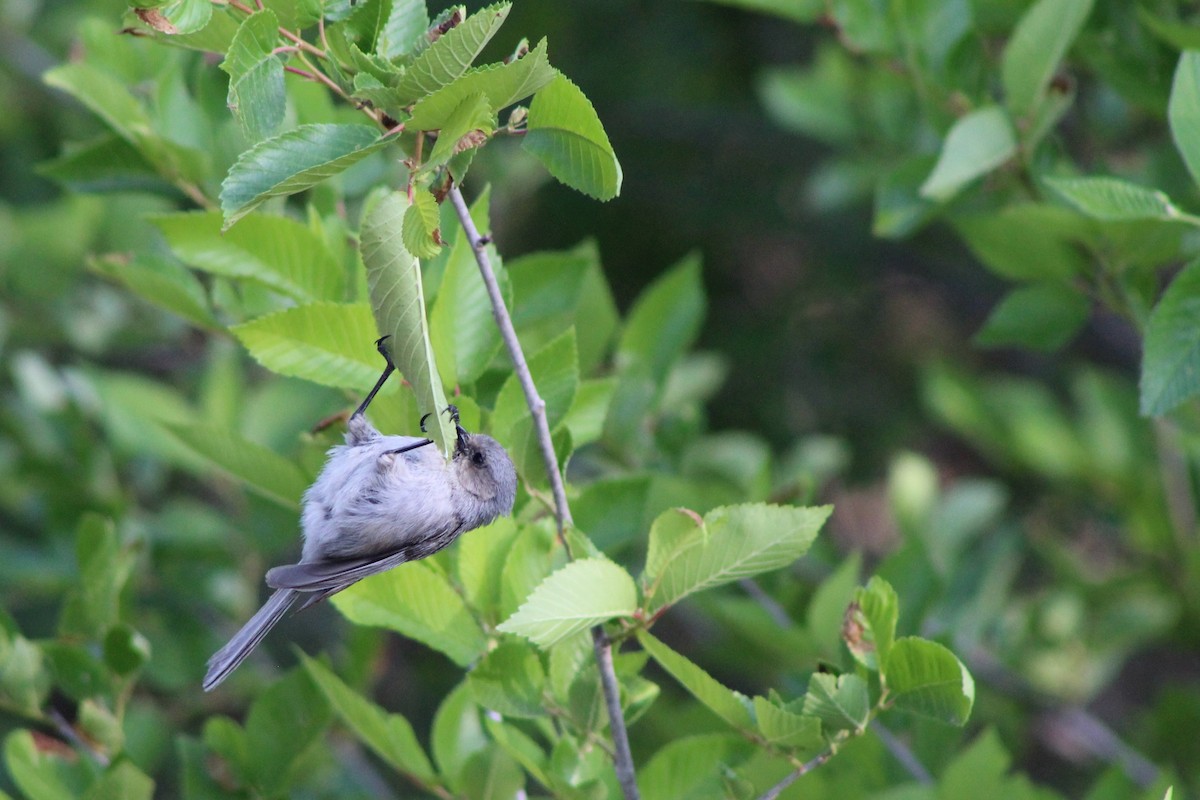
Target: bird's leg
x,y
387,371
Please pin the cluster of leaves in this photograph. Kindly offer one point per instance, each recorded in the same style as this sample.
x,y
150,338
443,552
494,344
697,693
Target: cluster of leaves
x,y
623,399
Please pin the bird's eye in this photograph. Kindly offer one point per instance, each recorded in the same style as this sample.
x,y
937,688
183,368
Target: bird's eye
x,y
477,458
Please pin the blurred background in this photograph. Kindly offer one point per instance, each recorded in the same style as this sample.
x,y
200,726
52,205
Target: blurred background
x,y
1061,523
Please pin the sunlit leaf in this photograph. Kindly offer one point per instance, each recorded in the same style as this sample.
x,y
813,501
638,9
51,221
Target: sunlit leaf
x,y
581,594
565,134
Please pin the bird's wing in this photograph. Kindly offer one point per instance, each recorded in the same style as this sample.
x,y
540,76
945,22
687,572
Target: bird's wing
x,y
316,576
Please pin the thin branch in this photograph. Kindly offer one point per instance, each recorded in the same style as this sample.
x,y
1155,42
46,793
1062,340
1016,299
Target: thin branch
x,y
902,753
623,759
803,769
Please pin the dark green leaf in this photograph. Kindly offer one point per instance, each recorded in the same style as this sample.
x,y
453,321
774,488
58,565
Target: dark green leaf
x,y
730,706
125,650
287,718
161,281
107,164
1041,317
1171,356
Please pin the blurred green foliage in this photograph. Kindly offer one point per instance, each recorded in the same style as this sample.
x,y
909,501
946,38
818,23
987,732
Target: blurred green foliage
x,y
1034,159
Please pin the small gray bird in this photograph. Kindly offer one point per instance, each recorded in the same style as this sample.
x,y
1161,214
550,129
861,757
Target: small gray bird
x,y
379,501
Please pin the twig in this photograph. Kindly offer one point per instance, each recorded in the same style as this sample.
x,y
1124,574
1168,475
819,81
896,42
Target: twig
x,y
803,769
902,753
623,759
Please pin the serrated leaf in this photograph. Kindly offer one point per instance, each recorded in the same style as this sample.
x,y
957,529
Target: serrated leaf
x,y
292,162
976,144
786,729
276,251
501,84
467,127
421,231
451,55
420,603
389,735
1171,354
160,281
729,705
326,343
462,326
735,542
581,594
261,469
870,625
565,134
256,93
1114,200
1040,317
509,680
404,29
926,678
840,701
1183,110
398,301
1039,42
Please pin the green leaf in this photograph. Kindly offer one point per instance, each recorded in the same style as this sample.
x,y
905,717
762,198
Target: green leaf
x,y
326,343
685,767
461,326
404,29
735,542
125,650
524,750
256,94
457,734
121,781
509,680
564,133
106,164
1027,241
106,97
501,84
1171,354
581,594
786,729
480,562
421,231
452,53
1039,42
186,16
389,735
104,566
900,210
161,281
420,603
286,720
40,775
467,127
1183,111
261,469
664,320
277,252
398,300
926,678
803,11
1041,317
555,372
976,144
840,701
729,705
292,162
870,626
1114,200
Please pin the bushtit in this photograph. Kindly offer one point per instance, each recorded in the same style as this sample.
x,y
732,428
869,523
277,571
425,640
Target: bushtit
x,y
378,502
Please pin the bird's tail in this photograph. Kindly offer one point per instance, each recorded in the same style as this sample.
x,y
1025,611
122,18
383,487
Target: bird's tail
x,y
227,659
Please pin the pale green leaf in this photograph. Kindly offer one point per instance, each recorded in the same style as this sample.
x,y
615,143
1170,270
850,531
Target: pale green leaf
x,y
389,735
581,594
121,781
260,468
276,251
684,767
977,144
565,134
840,701
501,84
735,542
292,162
327,343
480,562
452,53
1027,241
256,93
161,281
398,301
467,127
555,372
870,626
1114,200
1171,354
1039,42
1042,316
523,749
457,734
420,603
1183,111
729,705
421,231
926,678
404,29
39,774
786,729
187,16
509,680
